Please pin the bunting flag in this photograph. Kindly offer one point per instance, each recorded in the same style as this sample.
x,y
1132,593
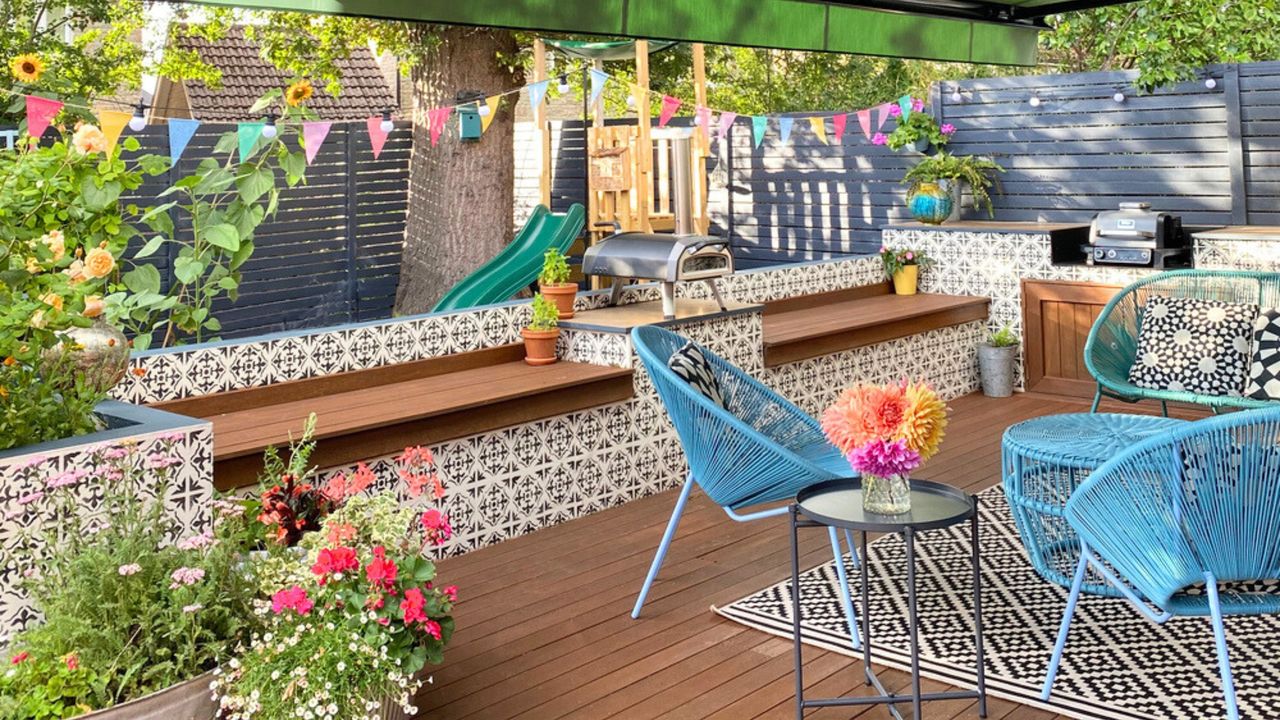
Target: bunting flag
x,y
377,138
537,93
313,135
882,114
438,118
839,122
702,118
180,133
759,123
40,114
598,80
819,127
864,119
112,123
492,102
784,128
669,107
726,122
248,134
904,103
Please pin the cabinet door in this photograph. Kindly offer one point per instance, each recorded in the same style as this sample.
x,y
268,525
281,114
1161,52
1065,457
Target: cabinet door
x,y
1057,317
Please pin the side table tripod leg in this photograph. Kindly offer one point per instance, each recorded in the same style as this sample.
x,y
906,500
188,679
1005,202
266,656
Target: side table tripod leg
x,y
913,620
866,613
795,614
977,612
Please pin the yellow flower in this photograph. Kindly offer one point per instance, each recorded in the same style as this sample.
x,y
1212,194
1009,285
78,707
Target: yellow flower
x,y
33,265
924,420
53,300
99,263
89,139
27,68
76,271
298,93
56,244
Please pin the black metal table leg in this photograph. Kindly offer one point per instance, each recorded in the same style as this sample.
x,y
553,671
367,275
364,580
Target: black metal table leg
x,y
977,611
866,613
913,619
795,613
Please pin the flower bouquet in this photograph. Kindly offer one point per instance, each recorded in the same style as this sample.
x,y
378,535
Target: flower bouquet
x,y
886,432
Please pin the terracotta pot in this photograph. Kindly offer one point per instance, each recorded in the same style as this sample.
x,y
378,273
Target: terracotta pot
x,y
904,281
185,701
563,295
540,345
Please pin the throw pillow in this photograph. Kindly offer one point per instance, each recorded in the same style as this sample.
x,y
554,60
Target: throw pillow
x,y
1264,368
691,366
1192,345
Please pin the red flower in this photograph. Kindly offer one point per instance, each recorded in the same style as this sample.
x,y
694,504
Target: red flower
x,y
332,561
19,658
432,627
294,598
72,661
436,525
412,605
381,571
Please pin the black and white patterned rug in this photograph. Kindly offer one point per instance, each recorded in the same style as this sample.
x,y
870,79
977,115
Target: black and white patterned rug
x,y
1117,664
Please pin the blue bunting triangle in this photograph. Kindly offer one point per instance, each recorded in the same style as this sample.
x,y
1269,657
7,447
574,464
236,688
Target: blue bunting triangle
x,y
598,80
180,133
537,92
784,128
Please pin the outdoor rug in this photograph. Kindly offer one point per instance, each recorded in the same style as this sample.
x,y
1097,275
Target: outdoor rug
x,y
1117,664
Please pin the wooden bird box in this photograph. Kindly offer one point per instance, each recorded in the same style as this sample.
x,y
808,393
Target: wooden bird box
x,y
610,169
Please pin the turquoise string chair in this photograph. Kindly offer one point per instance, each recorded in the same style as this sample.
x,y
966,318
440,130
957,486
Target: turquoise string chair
x,y
758,448
1112,346
1186,523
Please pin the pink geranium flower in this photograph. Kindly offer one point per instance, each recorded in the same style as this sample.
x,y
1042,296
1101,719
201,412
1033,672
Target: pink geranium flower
x,y
381,571
895,111
947,129
293,598
917,105
411,608
879,138
333,561
437,527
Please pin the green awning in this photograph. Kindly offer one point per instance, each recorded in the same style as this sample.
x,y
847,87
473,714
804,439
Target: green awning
x,y
1005,34
606,51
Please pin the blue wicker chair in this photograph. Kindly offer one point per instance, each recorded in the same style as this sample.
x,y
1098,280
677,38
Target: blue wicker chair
x,y
1112,346
757,449
1172,519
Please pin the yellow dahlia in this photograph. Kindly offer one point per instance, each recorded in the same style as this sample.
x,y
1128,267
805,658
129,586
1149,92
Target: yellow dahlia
x,y
924,420
27,68
298,93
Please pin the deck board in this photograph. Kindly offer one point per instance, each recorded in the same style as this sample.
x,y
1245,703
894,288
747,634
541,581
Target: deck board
x,y
544,627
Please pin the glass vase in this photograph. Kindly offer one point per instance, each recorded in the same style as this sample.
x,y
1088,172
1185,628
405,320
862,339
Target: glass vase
x,y
886,495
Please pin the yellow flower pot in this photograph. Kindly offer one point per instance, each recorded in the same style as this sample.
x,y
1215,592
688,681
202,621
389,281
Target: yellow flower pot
x,y
904,281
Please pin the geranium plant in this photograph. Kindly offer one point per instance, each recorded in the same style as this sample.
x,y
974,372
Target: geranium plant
x,y
918,126
895,260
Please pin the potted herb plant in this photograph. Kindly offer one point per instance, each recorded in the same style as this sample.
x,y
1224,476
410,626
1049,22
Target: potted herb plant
x,y
918,132
903,268
554,282
934,186
541,333
996,361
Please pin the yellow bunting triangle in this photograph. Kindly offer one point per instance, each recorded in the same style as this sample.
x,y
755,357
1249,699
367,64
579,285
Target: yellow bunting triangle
x,y
113,122
819,126
492,102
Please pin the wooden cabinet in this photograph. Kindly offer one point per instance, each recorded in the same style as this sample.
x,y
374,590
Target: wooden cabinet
x,y
1057,317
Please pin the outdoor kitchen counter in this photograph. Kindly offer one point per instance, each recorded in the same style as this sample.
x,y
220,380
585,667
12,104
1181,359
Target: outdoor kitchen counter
x,y
1235,233
998,226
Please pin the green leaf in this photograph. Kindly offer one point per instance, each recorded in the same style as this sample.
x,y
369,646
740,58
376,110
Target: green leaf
x,y
152,245
239,257
153,164
255,183
225,144
143,279
131,144
97,199
223,235
187,270
228,283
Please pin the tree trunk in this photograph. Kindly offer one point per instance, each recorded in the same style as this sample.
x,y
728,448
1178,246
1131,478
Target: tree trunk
x,y
461,194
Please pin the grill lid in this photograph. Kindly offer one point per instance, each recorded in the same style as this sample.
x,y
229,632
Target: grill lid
x,y
1133,221
647,256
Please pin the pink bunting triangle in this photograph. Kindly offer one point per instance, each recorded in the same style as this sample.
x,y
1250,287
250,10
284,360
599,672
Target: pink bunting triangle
x,y
726,122
883,114
40,114
438,118
377,137
669,107
839,122
314,133
702,118
864,119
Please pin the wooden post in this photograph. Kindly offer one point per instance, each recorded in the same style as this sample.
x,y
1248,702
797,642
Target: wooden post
x,y
597,110
644,146
701,143
540,121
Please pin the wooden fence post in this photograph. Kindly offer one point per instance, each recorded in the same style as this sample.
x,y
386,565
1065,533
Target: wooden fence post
x,y
1235,145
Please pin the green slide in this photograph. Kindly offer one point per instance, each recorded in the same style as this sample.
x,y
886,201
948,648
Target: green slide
x,y
517,265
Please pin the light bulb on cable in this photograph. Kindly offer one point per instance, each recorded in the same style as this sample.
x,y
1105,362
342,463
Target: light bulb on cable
x,y
386,125
955,95
631,101
138,122
1035,100
269,130
1210,83
483,110
563,85
1119,96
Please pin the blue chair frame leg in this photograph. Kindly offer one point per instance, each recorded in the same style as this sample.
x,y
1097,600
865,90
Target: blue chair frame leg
x,y
672,524
1061,645
843,579
1220,639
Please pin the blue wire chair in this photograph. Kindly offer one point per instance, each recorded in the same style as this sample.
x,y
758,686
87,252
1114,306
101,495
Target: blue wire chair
x,y
757,449
1196,505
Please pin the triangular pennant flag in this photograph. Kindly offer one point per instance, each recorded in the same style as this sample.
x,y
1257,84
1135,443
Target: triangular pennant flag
x,y
40,113
882,115
112,123
377,138
904,103
438,119
726,122
313,135
864,119
784,128
669,107
759,123
839,121
537,93
180,133
598,80
492,102
702,118
248,134
819,126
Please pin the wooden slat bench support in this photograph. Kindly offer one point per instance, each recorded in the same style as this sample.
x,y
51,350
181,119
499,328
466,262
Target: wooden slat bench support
x,y
801,331
371,413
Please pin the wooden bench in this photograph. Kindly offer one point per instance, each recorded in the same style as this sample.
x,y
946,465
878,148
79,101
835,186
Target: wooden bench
x,y
820,324
375,412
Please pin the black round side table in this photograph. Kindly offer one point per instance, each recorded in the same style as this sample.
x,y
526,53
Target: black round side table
x,y
838,503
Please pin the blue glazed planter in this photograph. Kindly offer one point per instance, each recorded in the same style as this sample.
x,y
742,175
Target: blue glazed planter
x,y
930,204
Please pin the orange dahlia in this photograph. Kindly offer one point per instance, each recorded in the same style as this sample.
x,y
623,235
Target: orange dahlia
x,y
864,413
924,420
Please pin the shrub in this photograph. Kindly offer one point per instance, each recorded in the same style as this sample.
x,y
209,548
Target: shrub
x,y
1004,337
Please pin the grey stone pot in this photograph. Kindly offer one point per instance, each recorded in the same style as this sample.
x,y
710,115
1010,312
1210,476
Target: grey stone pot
x,y
995,365
190,700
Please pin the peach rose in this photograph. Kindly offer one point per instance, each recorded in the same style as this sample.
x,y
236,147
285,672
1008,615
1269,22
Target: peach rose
x,y
76,272
99,263
93,306
56,244
89,139
33,266
53,300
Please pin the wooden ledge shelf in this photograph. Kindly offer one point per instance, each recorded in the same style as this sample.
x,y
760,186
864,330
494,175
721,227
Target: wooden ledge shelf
x,y
800,328
371,413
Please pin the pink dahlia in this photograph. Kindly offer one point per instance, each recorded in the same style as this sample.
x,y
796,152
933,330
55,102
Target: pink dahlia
x,y
883,458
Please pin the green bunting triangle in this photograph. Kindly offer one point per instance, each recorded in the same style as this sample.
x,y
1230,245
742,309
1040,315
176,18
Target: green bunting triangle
x,y
248,134
759,123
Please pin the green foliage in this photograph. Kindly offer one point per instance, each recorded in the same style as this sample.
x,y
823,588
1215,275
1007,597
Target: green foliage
x,y
48,688
36,407
1166,40
555,268
919,125
1004,337
977,172
895,260
545,314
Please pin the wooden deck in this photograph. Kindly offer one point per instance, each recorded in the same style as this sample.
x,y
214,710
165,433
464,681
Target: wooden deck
x,y
545,631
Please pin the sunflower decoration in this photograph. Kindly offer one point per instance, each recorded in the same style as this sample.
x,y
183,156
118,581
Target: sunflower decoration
x,y
27,68
298,93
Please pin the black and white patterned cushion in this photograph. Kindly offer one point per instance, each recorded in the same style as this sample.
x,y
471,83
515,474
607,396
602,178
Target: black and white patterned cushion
x,y
1192,345
1264,365
690,365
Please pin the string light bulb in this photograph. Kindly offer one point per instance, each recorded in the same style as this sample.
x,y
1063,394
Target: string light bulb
x,y
138,122
1035,100
955,94
631,101
563,85
1210,82
269,130
1119,96
386,126
483,110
